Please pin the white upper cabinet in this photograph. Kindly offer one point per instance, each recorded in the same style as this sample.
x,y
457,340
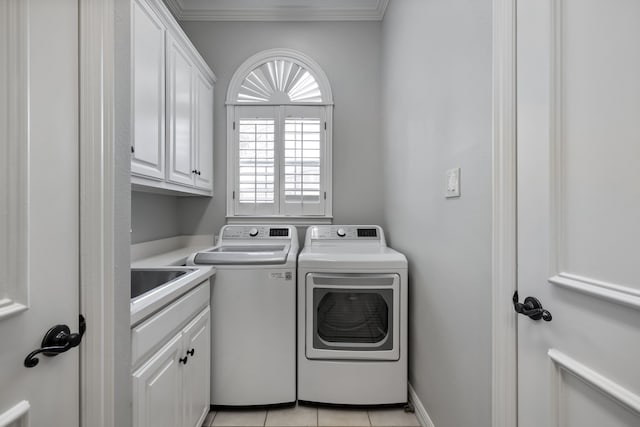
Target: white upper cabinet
x,y
180,114
172,149
204,133
147,148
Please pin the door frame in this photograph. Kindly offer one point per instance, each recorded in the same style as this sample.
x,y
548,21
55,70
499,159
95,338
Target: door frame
x,y
99,380
97,208
504,410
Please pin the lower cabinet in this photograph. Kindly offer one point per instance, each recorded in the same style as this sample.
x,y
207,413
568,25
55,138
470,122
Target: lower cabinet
x,y
157,388
197,372
171,388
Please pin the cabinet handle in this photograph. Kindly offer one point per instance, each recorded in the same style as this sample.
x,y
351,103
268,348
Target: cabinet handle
x,y
199,173
191,352
194,172
183,360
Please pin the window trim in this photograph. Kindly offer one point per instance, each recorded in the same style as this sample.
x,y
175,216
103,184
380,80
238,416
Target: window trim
x,y
281,219
231,105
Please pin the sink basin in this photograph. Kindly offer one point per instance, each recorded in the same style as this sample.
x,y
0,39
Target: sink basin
x,y
143,280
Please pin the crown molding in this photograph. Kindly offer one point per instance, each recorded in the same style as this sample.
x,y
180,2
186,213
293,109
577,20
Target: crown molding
x,y
197,10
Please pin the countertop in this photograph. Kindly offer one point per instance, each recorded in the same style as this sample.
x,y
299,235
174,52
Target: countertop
x,y
169,251
162,254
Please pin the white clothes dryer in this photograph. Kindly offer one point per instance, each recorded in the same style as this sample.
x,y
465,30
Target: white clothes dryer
x,y
352,317
253,315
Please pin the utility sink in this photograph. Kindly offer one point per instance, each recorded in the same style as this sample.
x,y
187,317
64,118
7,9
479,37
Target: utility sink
x,y
144,280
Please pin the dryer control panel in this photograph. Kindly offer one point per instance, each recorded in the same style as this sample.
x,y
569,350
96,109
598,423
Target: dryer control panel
x,y
346,232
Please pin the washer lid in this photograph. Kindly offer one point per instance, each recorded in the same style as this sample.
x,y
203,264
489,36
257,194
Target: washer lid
x,y
244,255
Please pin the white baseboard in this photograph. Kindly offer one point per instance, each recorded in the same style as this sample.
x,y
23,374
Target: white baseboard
x,y
421,413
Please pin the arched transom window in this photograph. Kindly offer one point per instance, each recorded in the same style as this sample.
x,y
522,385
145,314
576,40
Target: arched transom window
x,y
279,107
279,81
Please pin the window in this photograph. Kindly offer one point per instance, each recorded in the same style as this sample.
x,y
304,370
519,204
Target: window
x,y
279,139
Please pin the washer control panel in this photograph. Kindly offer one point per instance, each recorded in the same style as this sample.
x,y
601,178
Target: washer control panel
x,y
248,232
346,232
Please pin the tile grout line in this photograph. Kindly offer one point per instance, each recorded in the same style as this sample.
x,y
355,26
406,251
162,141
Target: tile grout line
x,y
370,422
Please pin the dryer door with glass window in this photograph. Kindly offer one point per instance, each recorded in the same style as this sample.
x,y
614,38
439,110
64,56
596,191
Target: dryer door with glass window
x,y
352,316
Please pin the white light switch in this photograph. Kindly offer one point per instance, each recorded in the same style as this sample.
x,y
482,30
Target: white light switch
x,y
453,183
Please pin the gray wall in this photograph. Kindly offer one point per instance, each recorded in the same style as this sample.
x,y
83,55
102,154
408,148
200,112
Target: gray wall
x,y
437,115
349,53
153,216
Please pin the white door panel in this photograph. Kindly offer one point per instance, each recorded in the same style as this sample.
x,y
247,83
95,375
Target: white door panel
x,y
180,114
204,133
586,406
578,210
600,139
157,388
197,371
39,210
148,32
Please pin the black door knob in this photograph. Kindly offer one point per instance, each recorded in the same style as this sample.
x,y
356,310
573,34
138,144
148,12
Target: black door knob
x,y
531,308
58,339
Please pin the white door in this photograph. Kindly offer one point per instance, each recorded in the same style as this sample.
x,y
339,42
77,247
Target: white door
x,y
39,257
579,211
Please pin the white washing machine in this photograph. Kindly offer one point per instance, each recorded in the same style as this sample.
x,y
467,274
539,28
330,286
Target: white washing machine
x,y
253,315
352,318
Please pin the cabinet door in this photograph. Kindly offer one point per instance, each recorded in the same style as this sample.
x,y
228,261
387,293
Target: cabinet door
x,y
157,388
197,371
204,132
179,114
148,81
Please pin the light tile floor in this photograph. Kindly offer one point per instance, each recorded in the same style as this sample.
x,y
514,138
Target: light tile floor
x,y
307,416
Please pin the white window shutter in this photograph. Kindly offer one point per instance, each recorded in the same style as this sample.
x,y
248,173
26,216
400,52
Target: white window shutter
x,y
304,161
256,165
